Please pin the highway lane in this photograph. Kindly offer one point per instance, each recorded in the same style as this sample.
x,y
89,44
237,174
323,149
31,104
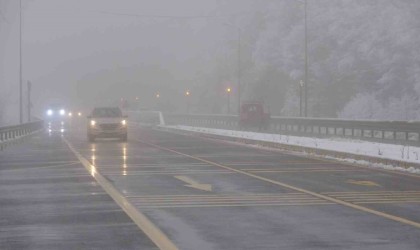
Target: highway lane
x,y
49,201
257,199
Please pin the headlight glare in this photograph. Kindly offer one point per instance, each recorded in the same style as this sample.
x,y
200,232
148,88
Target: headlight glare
x,y
92,123
62,112
50,112
124,122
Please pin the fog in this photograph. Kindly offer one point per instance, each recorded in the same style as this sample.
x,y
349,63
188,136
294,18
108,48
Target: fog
x,y
85,53
363,55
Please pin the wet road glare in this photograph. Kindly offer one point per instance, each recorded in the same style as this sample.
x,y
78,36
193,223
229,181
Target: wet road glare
x,y
171,191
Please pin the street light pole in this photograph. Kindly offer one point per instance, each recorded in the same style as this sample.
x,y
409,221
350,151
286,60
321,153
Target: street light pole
x,y
228,90
239,70
20,65
29,100
300,98
306,60
157,100
187,94
239,64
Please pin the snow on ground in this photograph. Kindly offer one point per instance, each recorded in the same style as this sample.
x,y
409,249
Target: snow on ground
x,y
380,150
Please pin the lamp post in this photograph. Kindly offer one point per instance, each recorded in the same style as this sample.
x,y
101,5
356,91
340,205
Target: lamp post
x,y
157,103
306,59
301,85
20,65
228,91
188,94
239,63
29,101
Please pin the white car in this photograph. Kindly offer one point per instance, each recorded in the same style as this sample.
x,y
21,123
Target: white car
x,y
107,122
55,117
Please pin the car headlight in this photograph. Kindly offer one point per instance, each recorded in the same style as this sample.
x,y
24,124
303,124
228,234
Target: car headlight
x,y
50,112
92,123
62,112
124,122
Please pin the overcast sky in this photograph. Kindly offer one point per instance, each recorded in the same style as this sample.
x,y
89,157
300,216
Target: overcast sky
x,y
72,48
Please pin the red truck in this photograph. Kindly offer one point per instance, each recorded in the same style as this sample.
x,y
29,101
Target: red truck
x,y
253,115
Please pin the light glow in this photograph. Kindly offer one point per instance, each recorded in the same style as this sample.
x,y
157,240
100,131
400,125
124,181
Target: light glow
x,y
62,112
124,122
50,112
92,123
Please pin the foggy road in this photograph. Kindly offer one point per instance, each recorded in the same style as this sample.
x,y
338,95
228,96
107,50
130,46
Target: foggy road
x,y
199,194
212,124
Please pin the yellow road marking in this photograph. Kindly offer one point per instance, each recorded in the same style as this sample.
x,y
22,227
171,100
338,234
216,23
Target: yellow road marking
x,y
228,199
377,195
177,202
377,198
158,201
303,170
151,230
52,166
21,163
288,169
363,183
207,195
372,192
344,203
283,163
386,202
238,205
250,196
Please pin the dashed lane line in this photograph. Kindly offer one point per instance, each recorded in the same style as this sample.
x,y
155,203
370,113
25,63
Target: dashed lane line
x,y
378,197
43,167
232,200
151,230
325,197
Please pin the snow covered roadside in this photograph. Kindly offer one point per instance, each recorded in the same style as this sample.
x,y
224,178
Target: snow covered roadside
x,y
407,154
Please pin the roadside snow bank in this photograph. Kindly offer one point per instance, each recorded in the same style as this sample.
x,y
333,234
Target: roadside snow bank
x,y
401,153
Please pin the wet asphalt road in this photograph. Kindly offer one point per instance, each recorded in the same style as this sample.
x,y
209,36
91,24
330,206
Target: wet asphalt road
x,y
49,201
258,199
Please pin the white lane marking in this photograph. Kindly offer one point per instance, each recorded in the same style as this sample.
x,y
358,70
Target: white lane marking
x,y
41,167
194,184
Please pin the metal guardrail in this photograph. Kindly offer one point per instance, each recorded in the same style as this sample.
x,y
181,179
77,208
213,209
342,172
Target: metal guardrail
x,y
396,132
13,132
146,117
